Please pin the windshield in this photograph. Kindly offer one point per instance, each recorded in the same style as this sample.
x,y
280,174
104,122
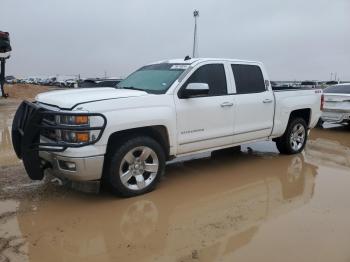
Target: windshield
x,y
154,79
338,89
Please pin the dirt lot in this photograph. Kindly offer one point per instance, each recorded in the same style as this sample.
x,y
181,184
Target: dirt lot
x,y
25,91
254,205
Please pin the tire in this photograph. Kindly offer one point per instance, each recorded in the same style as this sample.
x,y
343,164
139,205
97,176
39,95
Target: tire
x,y
294,138
127,173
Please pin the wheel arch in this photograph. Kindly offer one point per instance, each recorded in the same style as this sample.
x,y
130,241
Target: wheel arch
x,y
157,132
304,113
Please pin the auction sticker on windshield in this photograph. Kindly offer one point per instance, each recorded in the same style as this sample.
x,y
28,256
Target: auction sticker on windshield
x,y
179,67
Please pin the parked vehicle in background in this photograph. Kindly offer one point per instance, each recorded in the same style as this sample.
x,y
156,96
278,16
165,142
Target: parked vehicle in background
x,y
124,135
336,104
10,80
310,84
98,82
109,82
330,83
278,85
71,83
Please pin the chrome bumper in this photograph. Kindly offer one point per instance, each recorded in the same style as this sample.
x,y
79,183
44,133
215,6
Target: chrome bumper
x,y
86,168
335,116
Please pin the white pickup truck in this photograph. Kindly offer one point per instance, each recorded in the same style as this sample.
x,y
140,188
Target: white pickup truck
x,y
123,136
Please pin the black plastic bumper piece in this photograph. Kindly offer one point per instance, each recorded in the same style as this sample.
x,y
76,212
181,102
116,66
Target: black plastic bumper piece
x,y
28,124
25,121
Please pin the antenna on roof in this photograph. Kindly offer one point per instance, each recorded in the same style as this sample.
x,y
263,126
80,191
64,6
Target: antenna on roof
x,y
187,58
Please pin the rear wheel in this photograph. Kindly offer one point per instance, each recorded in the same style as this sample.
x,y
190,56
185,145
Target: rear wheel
x,y
135,167
294,138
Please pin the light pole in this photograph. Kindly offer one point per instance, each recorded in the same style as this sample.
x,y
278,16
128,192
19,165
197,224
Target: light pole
x,y
195,38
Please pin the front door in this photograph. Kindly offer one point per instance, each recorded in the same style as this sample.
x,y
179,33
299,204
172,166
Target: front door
x,y
205,121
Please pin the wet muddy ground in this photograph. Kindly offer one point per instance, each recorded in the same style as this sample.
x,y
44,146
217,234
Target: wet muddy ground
x,y
253,205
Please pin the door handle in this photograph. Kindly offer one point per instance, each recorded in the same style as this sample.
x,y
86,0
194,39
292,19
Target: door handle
x,y
225,104
265,101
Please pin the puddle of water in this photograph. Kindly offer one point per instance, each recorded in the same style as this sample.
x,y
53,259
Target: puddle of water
x,y
13,246
7,155
214,208
248,206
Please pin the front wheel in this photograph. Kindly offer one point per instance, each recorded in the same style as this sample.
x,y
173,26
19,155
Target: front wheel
x,y
135,167
294,138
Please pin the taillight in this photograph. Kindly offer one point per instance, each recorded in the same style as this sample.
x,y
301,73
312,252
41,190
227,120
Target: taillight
x,y
322,102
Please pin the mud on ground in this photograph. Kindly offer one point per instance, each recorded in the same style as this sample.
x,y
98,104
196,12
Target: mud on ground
x,y
25,91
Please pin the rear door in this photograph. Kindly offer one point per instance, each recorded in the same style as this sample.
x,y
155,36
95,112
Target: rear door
x,y
206,121
254,103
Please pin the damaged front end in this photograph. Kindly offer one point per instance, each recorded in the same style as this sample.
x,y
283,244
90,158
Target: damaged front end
x,y
36,129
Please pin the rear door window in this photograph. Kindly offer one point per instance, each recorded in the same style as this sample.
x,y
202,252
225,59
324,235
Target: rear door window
x,y
248,78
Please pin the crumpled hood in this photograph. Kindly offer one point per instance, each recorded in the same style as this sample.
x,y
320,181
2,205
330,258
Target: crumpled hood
x,y
69,98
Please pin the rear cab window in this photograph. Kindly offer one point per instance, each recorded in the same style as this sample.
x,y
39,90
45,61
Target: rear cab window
x,y
248,78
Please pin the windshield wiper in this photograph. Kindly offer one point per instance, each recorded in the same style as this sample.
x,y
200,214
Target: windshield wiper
x,y
131,88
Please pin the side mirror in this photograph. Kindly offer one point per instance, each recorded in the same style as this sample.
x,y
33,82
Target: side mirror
x,y
195,89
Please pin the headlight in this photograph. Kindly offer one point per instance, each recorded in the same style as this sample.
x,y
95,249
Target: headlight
x,y
73,120
79,129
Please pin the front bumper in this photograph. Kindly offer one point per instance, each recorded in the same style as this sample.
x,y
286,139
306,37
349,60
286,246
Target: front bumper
x,y
335,116
31,122
86,168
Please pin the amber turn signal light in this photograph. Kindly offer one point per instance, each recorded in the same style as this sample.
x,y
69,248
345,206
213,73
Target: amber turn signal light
x,y
81,120
82,137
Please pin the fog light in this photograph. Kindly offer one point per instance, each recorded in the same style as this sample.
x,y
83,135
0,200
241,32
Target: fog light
x,y
70,166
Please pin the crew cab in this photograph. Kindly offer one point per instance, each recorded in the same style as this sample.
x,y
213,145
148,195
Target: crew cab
x,y
123,136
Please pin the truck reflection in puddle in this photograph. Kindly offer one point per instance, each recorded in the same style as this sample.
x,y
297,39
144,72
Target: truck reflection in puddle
x,y
330,147
208,208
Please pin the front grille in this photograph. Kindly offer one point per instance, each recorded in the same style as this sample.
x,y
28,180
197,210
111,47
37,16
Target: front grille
x,y
32,121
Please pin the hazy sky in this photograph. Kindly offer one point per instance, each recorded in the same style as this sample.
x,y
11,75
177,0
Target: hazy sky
x,y
296,39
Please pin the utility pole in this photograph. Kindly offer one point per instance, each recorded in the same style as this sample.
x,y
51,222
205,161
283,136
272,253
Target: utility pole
x,y
195,37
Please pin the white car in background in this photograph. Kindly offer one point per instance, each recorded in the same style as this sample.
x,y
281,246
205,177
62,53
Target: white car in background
x,y
337,104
